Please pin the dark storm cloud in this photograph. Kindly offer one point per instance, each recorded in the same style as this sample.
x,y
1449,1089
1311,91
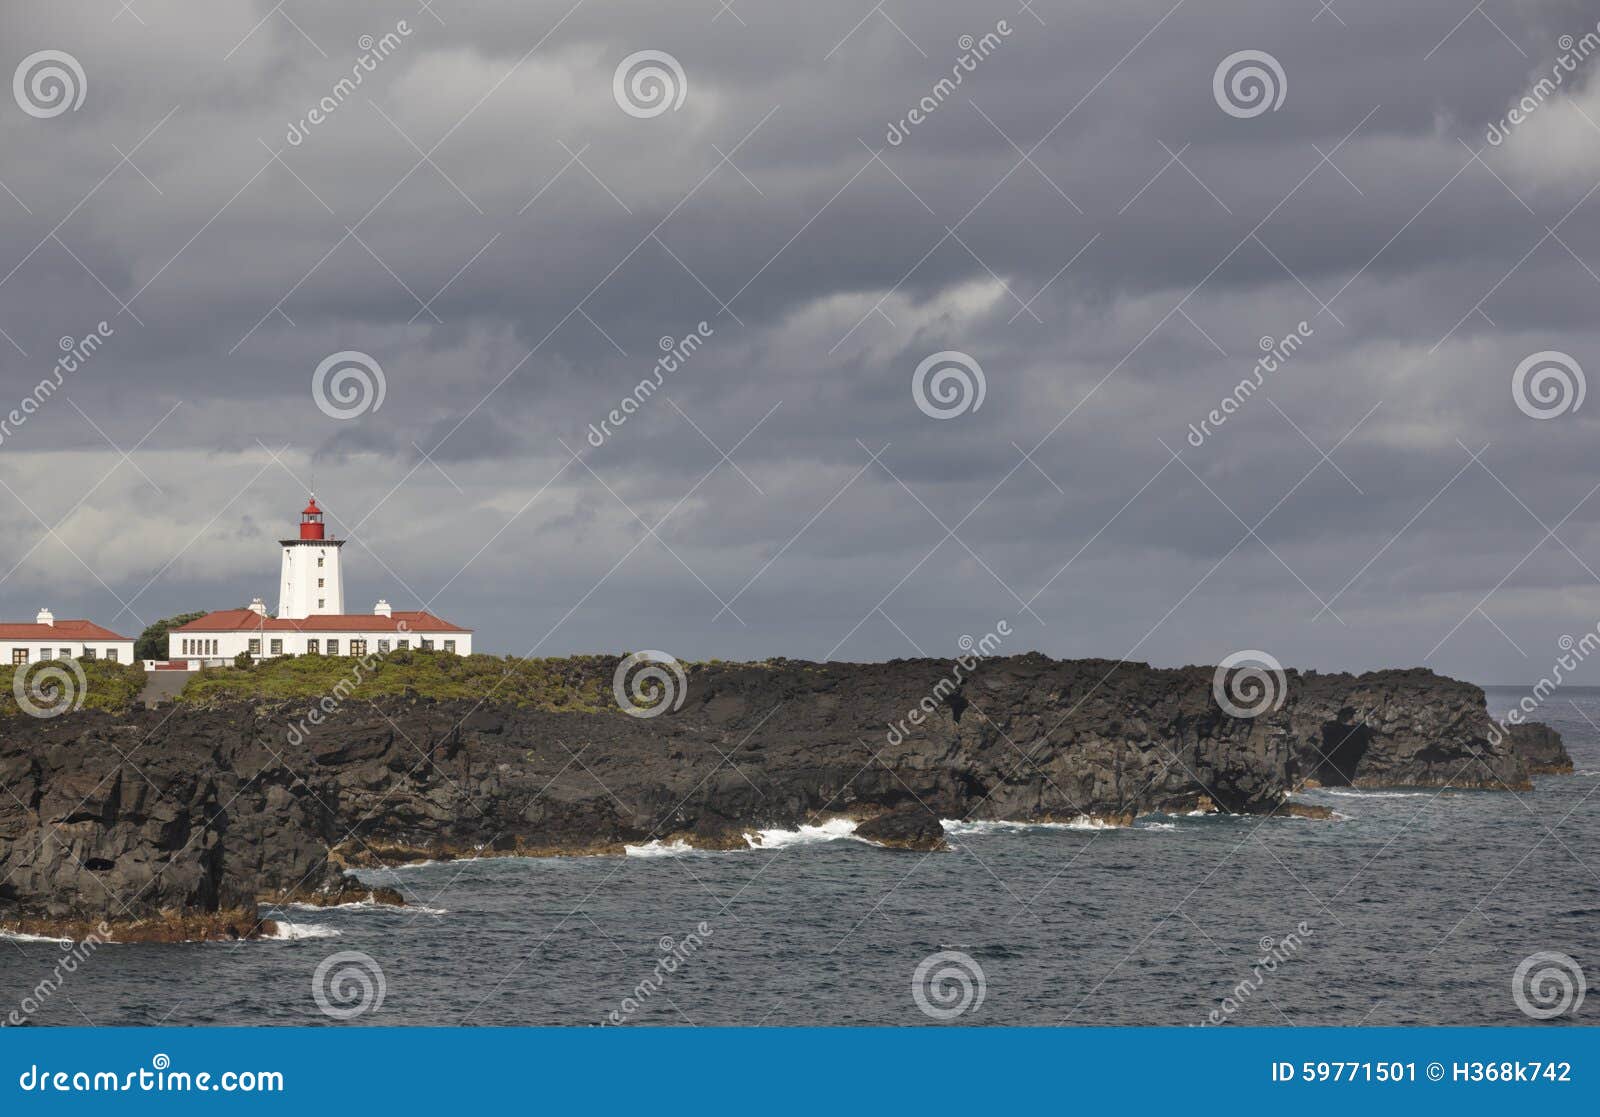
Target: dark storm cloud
x,y
515,289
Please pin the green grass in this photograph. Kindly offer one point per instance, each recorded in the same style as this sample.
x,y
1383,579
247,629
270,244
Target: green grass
x,y
104,686
577,685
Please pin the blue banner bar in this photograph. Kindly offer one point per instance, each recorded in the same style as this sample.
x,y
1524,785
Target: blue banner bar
x,y
803,1071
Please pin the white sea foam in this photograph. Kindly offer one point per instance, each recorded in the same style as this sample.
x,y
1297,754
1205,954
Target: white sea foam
x,y
829,831
658,848
371,905
1155,826
425,865
23,936
294,931
961,827
1344,793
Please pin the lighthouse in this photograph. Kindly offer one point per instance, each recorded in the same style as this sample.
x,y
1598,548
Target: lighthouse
x,y
311,619
313,580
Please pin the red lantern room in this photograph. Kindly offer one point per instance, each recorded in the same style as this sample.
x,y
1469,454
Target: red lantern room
x,y
311,526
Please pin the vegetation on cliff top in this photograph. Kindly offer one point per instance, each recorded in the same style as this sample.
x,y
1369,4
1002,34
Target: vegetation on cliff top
x,y
50,686
578,684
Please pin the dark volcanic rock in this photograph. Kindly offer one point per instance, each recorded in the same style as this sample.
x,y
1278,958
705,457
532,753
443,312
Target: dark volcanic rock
x,y
157,814
911,826
1541,749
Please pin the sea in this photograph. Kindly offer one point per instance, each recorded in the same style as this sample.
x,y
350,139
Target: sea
x,y
1415,907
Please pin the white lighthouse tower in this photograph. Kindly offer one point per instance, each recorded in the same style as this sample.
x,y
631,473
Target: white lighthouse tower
x,y
313,580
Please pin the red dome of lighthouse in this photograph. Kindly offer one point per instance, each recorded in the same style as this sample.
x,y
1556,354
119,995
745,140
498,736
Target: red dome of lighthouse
x,y
311,525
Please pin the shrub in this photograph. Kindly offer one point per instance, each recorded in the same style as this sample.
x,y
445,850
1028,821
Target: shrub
x,y
579,684
113,687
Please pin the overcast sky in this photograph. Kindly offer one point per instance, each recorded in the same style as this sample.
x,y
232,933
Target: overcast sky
x,y
1082,217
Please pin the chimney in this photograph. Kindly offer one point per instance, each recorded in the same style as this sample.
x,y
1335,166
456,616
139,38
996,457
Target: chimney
x,y
258,607
382,609
45,617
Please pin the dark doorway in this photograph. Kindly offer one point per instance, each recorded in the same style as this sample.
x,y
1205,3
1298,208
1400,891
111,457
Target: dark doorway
x,y
1343,746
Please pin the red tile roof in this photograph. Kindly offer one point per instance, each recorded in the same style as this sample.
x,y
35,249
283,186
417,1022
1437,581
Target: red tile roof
x,y
61,630
243,620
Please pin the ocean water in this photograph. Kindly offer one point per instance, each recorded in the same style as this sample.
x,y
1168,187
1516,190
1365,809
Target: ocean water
x,y
1413,907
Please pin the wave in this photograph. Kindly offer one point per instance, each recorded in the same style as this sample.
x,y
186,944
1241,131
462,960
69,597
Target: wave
x,y
961,827
290,932
829,831
658,848
776,838
23,936
1345,793
371,905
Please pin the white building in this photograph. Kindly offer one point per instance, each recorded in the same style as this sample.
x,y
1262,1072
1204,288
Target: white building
x,y
311,619
48,638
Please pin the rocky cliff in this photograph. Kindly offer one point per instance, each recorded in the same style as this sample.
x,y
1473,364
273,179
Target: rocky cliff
x,y
177,821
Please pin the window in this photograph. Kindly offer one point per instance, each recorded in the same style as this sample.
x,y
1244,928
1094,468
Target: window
x,y
321,582
88,652
313,647
319,560
277,647
19,656
65,653
322,602
383,647
427,645
111,655
255,647
333,647
449,645
405,644
358,648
